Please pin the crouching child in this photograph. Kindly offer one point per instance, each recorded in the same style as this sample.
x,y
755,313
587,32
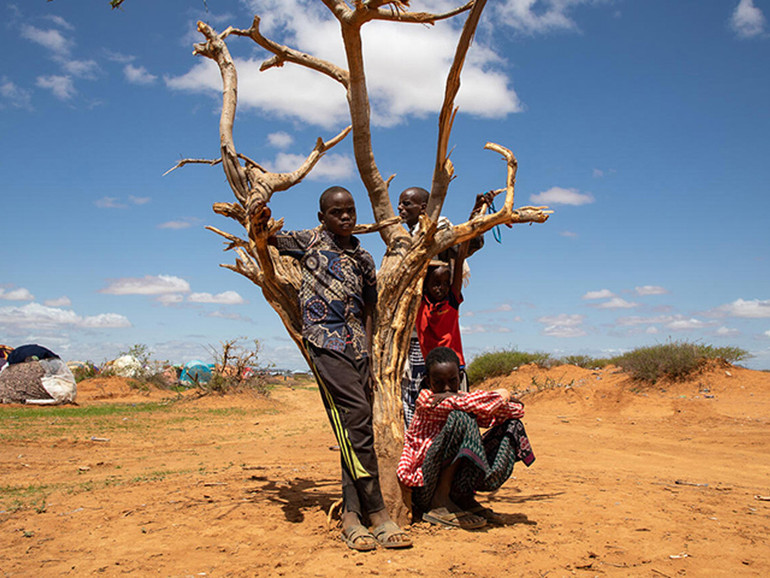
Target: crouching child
x,y
446,459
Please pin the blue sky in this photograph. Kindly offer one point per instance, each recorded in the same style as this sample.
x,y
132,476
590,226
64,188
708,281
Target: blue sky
x,y
645,125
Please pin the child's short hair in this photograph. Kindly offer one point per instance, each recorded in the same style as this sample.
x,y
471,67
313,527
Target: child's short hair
x,y
324,198
441,355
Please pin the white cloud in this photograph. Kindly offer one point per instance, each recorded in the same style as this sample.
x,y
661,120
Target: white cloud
x,y
109,203
14,95
538,16
686,324
652,330
569,234
58,302
147,285
61,22
747,20
650,290
751,308
105,320
484,328
224,298
672,322
598,173
119,57
138,74
19,294
170,299
275,92
727,332
600,294
563,325
81,68
280,140
331,166
184,223
115,203
616,303
561,196
231,316
51,39
40,318
397,91
61,86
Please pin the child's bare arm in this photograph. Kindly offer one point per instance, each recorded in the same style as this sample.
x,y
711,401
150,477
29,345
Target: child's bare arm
x,y
457,273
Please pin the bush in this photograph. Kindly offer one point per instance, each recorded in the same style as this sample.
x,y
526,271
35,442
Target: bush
x,y
85,371
502,363
675,360
585,361
237,367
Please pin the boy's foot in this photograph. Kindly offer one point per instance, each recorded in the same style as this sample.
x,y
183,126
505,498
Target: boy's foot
x,y
460,519
389,535
357,537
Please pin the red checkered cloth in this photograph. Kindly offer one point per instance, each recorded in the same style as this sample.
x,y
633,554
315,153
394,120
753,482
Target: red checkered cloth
x,y
488,407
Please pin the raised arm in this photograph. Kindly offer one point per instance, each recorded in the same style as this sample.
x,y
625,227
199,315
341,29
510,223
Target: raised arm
x,y
457,270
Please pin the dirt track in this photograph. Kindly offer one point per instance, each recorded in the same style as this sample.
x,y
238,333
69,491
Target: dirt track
x,y
627,482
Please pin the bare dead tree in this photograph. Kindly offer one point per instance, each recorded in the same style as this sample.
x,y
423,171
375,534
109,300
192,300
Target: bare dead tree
x,y
406,257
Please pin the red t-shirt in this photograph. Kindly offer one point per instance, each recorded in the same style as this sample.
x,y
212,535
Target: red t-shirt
x,y
438,325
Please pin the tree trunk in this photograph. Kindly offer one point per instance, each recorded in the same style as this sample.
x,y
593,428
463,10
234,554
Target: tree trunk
x,y
406,258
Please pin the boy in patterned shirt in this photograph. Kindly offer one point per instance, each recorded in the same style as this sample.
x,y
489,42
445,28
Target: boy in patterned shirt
x,y
337,300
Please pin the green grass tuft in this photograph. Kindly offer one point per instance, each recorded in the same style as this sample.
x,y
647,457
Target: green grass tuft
x,y
675,360
503,362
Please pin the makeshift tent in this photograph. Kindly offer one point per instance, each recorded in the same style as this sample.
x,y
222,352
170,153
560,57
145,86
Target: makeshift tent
x,y
196,372
124,366
45,380
30,352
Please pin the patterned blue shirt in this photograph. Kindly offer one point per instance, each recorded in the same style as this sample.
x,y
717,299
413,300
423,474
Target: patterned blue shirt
x,y
336,284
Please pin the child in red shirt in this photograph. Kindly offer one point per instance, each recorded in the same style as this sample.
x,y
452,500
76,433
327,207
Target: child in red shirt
x,y
438,318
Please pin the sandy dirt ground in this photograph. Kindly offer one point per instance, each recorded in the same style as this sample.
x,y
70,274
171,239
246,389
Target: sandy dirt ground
x,y
664,480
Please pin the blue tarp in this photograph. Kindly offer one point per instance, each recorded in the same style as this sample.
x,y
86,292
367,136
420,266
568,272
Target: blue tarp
x,y
196,372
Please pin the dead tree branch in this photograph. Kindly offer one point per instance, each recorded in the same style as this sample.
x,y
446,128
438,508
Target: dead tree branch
x,y
378,11
284,54
443,171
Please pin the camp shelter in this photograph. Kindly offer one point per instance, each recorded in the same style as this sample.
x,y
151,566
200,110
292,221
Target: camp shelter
x,y
30,352
196,372
28,378
125,366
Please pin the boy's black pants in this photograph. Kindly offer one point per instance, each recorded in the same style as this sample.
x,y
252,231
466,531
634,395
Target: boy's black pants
x,y
343,382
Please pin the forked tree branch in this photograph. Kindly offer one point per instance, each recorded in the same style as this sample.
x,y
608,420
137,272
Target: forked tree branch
x,y
397,14
443,171
284,54
505,216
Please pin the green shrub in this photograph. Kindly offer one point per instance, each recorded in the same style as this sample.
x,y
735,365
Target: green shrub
x,y
86,371
584,361
237,368
502,363
675,360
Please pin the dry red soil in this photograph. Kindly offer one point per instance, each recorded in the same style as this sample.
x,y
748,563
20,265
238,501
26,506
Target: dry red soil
x,y
664,480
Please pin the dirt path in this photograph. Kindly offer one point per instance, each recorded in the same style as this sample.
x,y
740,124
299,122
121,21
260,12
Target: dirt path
x,y
627,482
